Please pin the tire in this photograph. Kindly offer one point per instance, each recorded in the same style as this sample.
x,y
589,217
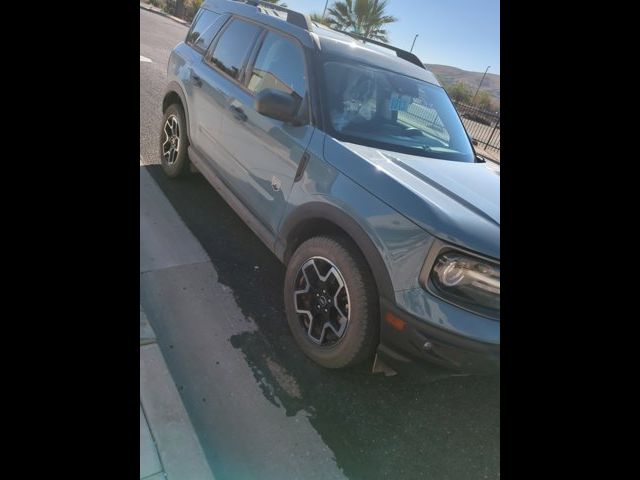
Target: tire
x,y
335,346
173,152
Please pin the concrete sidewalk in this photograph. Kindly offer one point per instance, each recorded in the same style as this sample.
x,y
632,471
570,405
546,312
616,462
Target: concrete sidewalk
x,y
169,447
151,8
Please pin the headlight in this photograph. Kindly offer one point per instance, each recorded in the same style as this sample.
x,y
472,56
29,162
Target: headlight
x,y
470,282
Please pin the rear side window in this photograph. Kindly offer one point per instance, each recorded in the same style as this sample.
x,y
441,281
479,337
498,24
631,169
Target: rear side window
x,y
203,30
279,65
234,46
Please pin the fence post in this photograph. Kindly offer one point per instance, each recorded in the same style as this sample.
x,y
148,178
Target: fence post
x,y
486,145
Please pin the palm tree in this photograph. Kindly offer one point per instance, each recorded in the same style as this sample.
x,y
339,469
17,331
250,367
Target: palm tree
x,y
364,17
318,18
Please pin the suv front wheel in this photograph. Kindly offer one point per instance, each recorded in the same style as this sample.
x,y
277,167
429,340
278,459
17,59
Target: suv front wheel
x,y
331,302
173,142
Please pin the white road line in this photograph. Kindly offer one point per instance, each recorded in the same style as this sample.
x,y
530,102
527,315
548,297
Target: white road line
x,y
145,59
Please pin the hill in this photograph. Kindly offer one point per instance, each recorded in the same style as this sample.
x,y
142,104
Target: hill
x,y
448,75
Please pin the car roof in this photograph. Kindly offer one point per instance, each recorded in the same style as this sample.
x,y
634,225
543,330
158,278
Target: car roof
x,y
343,45
323,38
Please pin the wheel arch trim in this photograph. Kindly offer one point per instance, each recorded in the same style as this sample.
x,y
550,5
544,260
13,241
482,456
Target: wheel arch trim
x,y
304,215
175,88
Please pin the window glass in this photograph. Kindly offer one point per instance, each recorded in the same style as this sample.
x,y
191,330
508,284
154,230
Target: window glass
x,y
233,47
387,110
203,30
279,65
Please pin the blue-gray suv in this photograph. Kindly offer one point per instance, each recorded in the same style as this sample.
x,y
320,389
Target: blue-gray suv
x,y
347,158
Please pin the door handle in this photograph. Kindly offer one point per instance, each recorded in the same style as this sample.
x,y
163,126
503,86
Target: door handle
x,y
238,114
197,81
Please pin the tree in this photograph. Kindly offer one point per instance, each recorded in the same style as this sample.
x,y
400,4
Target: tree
x,y
483,100
191,8
460,92
364,17
179,8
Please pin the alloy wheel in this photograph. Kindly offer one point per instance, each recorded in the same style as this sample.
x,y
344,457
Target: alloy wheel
x,y
171,144
321,300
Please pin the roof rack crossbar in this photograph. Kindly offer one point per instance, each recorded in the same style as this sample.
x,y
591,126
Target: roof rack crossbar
x,y
295,18
408,56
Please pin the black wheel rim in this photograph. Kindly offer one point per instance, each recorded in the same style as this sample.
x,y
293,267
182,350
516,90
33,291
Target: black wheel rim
x,y
321,300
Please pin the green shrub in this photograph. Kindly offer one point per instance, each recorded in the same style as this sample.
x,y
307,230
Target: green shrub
x,y
191,8
460,92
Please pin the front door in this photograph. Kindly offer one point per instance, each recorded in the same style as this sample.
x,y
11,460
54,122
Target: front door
x,y
267,150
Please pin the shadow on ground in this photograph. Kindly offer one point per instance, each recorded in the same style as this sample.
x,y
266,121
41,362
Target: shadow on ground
x,y
377,427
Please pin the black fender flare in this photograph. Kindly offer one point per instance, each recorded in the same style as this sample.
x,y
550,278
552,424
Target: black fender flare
x,y
175,87
309,212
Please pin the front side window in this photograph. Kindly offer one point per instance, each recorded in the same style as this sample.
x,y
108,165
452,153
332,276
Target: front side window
x,y
279,65
204,29
234,46
386,110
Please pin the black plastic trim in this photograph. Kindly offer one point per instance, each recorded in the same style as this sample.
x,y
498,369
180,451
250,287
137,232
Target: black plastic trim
x,y
452,351
324,211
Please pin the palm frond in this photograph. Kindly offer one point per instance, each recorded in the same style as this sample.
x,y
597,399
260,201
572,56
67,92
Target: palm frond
x,y
365,17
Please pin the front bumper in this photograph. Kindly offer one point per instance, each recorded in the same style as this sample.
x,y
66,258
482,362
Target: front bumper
x,y
413,343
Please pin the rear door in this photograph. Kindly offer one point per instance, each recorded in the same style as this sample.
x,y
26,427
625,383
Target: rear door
x,y
267,151
205,27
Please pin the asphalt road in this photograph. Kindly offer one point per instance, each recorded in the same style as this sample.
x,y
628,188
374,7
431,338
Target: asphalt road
x,y
261,409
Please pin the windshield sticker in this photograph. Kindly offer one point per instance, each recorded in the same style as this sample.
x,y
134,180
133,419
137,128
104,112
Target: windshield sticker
x,y
400,103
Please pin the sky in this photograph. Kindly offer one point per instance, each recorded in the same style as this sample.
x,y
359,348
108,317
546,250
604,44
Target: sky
x,y
459,33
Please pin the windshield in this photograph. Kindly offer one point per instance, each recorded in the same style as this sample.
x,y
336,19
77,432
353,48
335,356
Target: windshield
x,y
378,108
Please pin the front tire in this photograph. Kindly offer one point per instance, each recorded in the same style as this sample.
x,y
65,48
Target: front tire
x,y
331,302
174,143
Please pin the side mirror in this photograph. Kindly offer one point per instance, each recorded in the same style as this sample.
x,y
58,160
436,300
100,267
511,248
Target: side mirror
x,y
277,104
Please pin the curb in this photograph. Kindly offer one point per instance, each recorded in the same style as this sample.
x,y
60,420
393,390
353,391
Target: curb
x,y
178,452
152,9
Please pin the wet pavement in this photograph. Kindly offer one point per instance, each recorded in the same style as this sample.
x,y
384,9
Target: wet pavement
x,y
375,426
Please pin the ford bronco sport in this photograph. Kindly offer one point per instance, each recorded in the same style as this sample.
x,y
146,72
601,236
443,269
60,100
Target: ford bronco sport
x,y
348,160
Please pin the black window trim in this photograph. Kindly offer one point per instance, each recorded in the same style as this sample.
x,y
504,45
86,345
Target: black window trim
x,y
193,25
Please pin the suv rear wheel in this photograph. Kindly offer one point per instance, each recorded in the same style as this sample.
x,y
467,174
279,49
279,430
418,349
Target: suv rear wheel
x,y
173,142
332,302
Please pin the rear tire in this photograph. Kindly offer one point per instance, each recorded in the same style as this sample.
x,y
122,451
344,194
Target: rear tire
x,y
339,326
174,143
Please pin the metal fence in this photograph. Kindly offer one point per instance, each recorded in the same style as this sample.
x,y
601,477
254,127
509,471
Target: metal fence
x,y
482,125
420,116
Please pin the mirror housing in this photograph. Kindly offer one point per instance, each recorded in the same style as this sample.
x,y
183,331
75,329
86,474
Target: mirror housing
x,y
278,104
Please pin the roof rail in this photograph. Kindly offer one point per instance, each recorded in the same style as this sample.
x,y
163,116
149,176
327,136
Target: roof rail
x,y
408,56
296,18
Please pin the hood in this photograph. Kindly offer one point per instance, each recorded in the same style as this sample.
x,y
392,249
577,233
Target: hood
x,y
474,185
455,201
